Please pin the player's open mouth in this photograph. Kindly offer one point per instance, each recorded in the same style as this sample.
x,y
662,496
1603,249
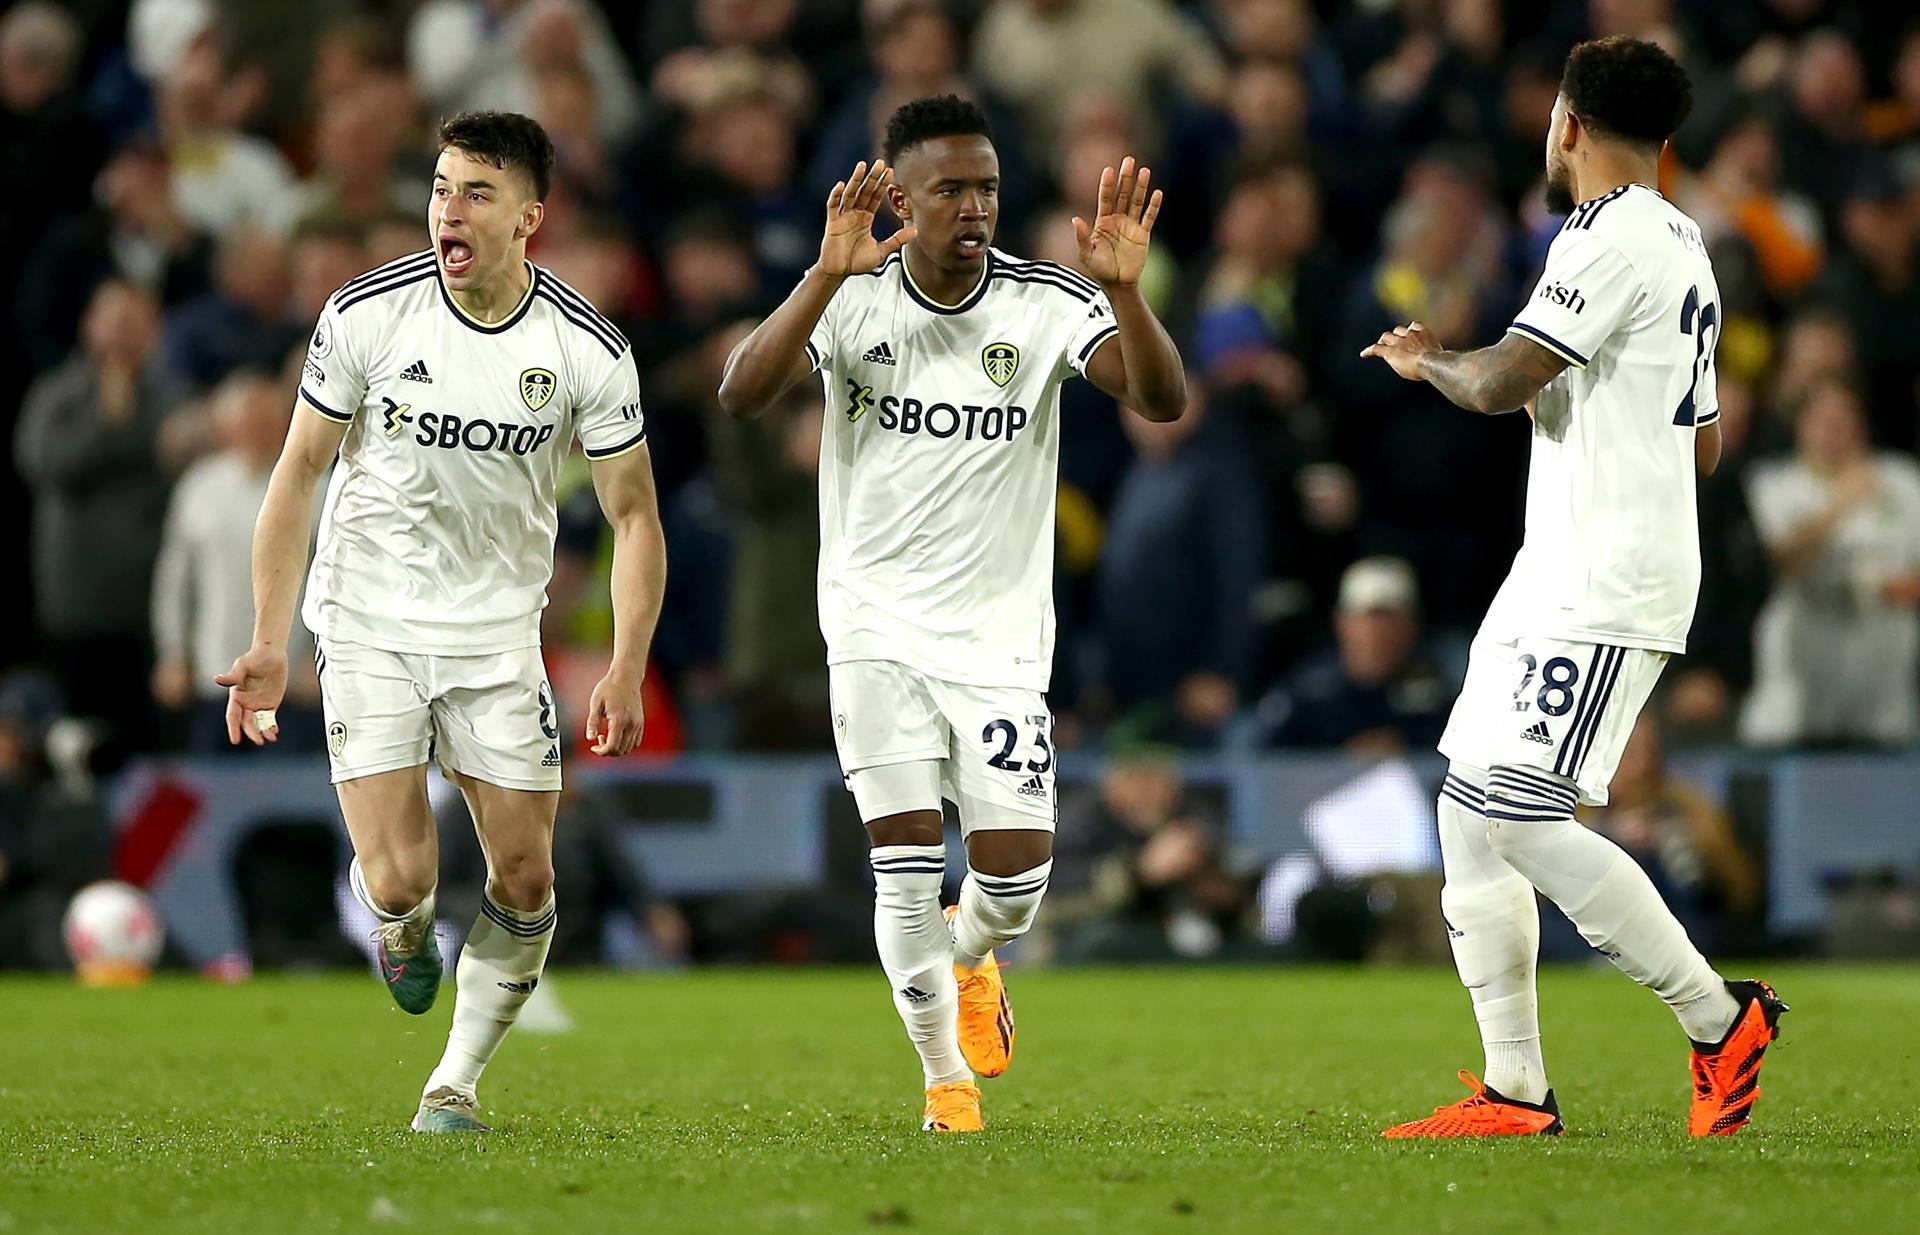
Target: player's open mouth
x,y
971,244
456,256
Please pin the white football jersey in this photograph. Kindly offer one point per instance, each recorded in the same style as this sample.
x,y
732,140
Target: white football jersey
x,y
939,463
1612,548
437,532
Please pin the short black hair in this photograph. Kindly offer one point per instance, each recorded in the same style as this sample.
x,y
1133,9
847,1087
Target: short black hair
x,y
1627,88
940,115
505,139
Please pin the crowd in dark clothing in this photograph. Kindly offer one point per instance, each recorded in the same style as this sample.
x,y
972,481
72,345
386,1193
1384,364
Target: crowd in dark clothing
x,y
205,173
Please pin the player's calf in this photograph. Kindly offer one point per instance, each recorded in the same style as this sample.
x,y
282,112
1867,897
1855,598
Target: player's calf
x,y
994,910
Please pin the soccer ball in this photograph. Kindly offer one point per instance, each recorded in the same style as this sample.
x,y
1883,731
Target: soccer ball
x,y
112,934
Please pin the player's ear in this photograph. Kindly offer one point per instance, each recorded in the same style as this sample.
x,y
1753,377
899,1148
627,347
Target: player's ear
x,y
530,220
1570,132
897,202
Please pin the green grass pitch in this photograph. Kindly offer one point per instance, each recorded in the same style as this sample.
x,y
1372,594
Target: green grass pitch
x,y
1141,1101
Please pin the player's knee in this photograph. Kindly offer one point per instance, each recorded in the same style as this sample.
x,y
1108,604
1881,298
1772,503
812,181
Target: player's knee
x,y
1008,852
524,882
920,827
396,887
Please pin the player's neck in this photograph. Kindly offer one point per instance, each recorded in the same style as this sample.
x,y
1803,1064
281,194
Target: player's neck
x,y
1602,173
493,300
943,287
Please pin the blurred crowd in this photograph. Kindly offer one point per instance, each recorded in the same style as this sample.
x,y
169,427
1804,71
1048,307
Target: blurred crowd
x,y
1296,563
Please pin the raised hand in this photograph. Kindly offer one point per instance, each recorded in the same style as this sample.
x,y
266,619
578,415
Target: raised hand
x,y
1114,249
849,246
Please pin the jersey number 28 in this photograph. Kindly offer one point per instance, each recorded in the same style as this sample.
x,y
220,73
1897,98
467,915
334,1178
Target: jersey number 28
x,y
1698,320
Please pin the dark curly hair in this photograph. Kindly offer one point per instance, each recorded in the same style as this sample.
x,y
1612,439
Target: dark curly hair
x,y
942,115
506,140
1627,88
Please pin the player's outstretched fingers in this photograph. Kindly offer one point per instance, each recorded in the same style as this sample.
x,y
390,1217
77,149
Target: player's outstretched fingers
x,y
836,196
1140,195
1104,206
1123,190
1152,211
894,243
233,721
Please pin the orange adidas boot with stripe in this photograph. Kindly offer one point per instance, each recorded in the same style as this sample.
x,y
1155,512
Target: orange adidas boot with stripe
x,y
953,1108
1726,1074
1485,1112
986,1014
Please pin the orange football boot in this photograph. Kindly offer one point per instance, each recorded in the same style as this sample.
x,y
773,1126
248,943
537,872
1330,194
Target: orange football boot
x,y
1485,1113
986,1014
954,1108
1726,1075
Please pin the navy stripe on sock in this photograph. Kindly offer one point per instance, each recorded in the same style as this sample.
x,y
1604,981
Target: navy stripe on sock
x,y
1038,885
503,919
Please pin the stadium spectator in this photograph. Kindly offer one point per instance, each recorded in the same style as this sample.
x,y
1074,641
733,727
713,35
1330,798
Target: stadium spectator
x,y
916,48
325,255
53,840
1837,648
1876,284
1682,839
1042,55
242,322
1141,870
1737,201
1820,127
1376,691
223,179
468,55
1705,686
1183,556
42,122
356,144
135,234
202,585
767,472
86,447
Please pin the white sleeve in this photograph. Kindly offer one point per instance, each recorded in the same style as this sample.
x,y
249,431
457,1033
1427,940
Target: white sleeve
x,y
1587,291
820,346
172,605
607,418
1093,330
333,381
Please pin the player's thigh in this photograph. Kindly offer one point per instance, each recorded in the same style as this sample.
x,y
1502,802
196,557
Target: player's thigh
x,y
378,710
390,822
1557,706
495,720
1001,773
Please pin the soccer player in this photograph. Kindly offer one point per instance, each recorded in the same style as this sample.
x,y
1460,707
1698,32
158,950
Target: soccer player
x,y
942,359
450,385
1613,359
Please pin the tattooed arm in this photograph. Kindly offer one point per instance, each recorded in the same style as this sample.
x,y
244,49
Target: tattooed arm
x,y
1501,378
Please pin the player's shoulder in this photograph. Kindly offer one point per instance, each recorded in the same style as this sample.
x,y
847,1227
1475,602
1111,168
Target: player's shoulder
x,y
1636,220
389,285
593,330
1039,279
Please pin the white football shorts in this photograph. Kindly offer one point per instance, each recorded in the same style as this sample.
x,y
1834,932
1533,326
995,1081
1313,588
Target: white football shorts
x,y
491,717
1552,705
907,740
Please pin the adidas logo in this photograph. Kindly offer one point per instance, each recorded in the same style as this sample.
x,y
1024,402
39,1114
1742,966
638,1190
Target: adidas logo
x,y
1034,788
553,757
519,988
879,353
416,372
914,995
1539,734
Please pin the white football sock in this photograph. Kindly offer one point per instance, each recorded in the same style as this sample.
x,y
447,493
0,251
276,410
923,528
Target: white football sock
x,y
499,967
421,915
1493,923
917,954
995,910
1606,895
